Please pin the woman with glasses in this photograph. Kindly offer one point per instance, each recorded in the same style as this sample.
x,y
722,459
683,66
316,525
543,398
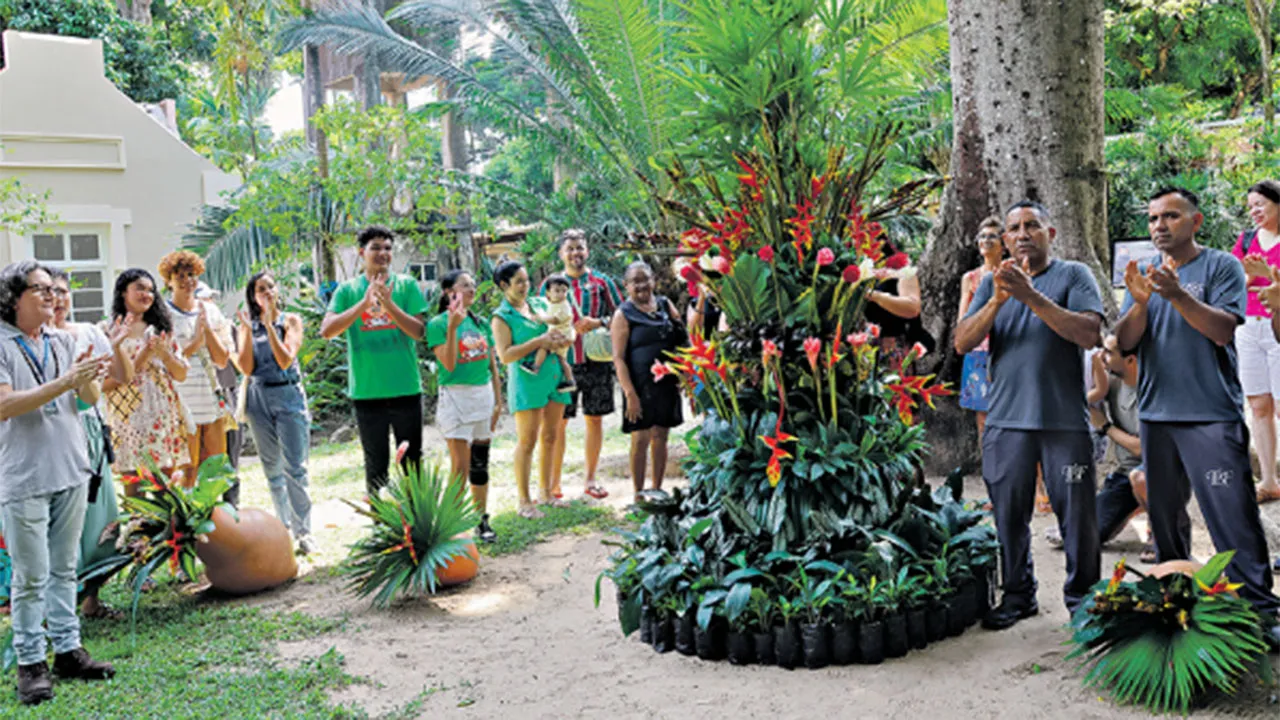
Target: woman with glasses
x,y
973,377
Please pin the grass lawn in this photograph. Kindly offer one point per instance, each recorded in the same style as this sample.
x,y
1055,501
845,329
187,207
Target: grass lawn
x,y
204,657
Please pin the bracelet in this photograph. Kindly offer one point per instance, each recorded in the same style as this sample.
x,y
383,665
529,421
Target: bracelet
x,y
1105,427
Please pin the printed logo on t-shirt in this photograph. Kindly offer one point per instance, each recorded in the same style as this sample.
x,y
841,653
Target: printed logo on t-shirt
x,y
472,347
376,318
1195,290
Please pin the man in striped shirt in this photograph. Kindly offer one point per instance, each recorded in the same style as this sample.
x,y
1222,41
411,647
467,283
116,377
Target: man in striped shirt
x,y
595,297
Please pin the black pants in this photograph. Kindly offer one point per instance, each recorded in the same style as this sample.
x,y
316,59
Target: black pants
x,y
1116,504
375,418
1009,460
1212,460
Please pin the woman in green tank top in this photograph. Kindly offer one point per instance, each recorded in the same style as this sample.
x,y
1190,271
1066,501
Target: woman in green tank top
x,y
532,397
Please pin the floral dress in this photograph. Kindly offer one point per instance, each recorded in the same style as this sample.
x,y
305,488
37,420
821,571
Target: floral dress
x,y
147,417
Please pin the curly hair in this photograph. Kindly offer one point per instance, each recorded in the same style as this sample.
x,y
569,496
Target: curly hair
x,y
180,262
13,283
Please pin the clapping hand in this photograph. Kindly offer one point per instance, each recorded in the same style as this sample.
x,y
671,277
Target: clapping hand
x,y
1164,280
1269,295
377,291
87,368
245,320
270,313
119,331
1255,265
1139,285
457,313
1014,280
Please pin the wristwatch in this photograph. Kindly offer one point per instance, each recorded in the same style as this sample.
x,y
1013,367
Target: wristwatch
x,y
1106,425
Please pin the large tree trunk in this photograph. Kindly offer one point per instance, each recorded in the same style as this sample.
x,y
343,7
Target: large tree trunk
x,y
312,102
138,11
1260,19
1027,81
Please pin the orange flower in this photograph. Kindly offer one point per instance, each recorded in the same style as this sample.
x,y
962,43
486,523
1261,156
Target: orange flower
x,y
1116,577
774,469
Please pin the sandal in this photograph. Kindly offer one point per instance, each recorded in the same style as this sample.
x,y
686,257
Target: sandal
x,y
555,502
1148,556
1266,496
530,512
596,491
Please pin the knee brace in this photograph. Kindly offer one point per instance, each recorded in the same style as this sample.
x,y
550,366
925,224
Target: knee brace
x,y
480,464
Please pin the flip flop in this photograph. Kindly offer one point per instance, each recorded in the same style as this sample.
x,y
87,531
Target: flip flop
x,y
596,492
555,502
1266,496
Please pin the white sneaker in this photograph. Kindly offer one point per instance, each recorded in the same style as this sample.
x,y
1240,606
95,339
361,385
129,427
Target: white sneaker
x,y
307,545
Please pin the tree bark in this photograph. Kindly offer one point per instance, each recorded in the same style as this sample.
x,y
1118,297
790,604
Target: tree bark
x,y
1027,89
138,11
1260,19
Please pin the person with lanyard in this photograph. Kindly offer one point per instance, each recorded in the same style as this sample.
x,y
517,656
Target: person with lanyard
x,y
275,405
535,403
596,297
379,313
204,336
1181,313
44,486
1040,312
468,407
96,553
1259,352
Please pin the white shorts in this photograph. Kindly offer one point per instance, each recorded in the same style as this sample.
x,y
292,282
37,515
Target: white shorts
x,y
464,412
1259,355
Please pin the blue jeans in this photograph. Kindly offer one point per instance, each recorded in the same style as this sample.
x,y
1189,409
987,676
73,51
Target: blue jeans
x,y
43,536
281,430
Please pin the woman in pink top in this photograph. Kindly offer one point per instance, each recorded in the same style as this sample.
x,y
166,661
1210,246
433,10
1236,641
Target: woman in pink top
x,y
1259,251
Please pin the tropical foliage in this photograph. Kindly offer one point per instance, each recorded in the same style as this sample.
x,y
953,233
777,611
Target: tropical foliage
x,y
420,522
1163,642
802,475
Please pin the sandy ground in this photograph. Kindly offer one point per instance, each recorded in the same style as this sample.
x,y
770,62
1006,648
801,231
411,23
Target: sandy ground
x,y
524,641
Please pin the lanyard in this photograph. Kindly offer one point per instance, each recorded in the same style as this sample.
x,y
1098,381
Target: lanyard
x,y
30,355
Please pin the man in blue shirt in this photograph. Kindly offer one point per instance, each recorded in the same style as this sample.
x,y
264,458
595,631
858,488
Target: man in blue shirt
x,y
1041,313
1181,314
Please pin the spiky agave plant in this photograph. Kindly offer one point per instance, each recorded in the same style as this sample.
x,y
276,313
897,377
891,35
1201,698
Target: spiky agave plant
x,y
1162,642
417,520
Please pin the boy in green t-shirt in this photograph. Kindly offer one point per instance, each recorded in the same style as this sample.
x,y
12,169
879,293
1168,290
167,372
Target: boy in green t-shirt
x,y
379,311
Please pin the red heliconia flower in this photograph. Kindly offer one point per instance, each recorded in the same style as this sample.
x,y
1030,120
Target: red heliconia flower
x,y
816,185
774,469
660,370
825,257
935,390
812,348
766,254
897,261
875,229
873,330
1116,577
721,265
769,351
851,274
801,229
750,179
695,239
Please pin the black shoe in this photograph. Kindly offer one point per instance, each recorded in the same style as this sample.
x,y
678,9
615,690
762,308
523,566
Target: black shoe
x,y
485,533
78,665
34,684
1008,613
1272,636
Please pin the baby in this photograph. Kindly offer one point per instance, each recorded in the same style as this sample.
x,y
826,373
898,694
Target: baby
x,y
559,317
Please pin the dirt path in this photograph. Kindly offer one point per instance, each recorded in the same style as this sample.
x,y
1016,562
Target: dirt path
x,y
523,641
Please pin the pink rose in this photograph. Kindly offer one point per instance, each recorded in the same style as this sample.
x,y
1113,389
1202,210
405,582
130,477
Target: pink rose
x,y
852,274
766,254
825,257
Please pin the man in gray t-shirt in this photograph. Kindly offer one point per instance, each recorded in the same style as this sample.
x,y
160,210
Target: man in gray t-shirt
x,y
1181,315
1040,313
44,484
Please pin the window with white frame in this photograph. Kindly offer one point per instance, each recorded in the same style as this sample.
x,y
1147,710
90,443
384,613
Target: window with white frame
x,y
82,254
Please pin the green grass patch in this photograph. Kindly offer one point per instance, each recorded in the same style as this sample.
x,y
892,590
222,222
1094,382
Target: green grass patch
x,y
516,534
196,658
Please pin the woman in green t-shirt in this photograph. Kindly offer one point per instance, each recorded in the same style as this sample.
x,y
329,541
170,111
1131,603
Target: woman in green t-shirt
x,y
467,409
536,405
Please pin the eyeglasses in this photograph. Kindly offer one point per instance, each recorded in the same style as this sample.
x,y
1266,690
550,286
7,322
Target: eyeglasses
x,y
988,239
46,290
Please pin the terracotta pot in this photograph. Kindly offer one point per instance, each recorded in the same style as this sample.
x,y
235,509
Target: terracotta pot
x,y
253,554
462,568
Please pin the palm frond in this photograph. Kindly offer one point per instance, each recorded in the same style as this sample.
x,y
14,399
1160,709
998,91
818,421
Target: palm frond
x,y
229,253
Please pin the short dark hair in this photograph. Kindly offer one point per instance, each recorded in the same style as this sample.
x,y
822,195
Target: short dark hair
x,y
558,279
577,234
13,283
1181,192
991,221
1032,205
503,273
1269,189
374,232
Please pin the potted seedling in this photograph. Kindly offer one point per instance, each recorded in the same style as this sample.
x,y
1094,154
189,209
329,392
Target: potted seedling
x,y
939,589
870,628
813,594
915,596
664,625
761,609
891,598
684,623
844,630
709,629
786,635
